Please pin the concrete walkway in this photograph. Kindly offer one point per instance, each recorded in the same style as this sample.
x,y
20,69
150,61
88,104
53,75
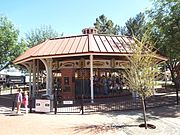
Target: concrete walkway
x,y
166,119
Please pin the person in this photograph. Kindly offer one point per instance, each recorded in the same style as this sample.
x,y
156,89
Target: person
x,y
109,81
25,101
105,85
19,101
95,83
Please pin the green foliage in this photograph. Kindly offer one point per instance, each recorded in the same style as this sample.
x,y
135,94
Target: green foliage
x,y
105,26
165,25
39,35
9,46
142,69
134,26
141,72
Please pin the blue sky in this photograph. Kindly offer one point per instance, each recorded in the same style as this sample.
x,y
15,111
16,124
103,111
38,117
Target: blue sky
x,y
68,16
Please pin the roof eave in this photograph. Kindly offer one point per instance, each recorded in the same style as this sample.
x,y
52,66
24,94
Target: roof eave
x,y
71,55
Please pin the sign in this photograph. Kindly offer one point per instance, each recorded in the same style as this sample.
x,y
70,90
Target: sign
x,y
68,102
15,79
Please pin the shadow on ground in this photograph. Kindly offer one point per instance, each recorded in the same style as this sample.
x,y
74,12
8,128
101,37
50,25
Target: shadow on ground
x,y
172,111
97,129
165,111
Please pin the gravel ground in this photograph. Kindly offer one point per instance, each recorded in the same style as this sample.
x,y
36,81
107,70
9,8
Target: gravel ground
x,y
166,119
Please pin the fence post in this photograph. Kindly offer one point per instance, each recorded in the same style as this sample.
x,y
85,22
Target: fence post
x,y
55,101
82,106
13,105
11,89
30,104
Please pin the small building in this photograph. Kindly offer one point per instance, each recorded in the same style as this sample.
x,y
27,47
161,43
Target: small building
x,y
82,64
11,76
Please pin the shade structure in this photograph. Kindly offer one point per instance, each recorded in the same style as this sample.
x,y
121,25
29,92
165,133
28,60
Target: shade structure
x,y
69,55
79,45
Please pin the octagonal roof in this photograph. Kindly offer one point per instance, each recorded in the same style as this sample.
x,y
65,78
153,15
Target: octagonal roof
x,y
78,46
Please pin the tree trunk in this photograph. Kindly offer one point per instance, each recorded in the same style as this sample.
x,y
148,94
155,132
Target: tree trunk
x,y
176,85
144,112
172,75
177,96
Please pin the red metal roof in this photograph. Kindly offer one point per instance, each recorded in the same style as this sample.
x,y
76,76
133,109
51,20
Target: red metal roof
x,y
81,44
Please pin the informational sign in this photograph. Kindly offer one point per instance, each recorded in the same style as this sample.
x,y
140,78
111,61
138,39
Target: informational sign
x,y
67,102
15,79
42,105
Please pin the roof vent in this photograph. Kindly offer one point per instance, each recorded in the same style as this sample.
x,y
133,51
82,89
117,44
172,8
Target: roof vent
x,y
91,30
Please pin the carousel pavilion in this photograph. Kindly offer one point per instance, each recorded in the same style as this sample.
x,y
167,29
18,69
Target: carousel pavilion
x,y
69,61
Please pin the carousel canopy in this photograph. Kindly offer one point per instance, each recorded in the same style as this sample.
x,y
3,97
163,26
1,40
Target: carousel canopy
x,y
79,45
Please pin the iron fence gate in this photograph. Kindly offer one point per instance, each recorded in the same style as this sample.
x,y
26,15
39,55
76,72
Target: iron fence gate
x,y
69,106
111,104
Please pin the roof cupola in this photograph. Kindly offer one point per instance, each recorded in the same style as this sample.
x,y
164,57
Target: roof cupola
x,y
90,30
